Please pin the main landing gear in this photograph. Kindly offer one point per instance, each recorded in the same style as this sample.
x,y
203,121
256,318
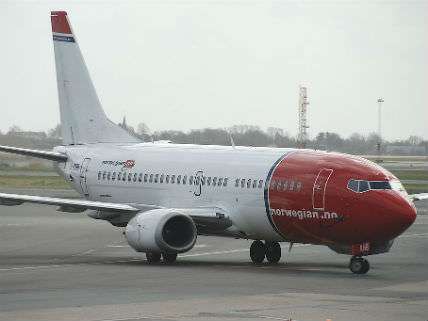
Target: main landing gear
x,y
359,265
269,250
155,257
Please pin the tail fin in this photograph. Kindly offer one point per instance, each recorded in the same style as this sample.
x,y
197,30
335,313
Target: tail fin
x,y
82,117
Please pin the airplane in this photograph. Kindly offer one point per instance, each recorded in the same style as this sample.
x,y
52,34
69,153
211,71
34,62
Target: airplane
x,y
164,195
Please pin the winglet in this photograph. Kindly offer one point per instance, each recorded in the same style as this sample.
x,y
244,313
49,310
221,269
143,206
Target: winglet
x,y
60,23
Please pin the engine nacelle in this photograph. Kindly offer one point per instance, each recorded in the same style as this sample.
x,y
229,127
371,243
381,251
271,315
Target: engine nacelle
x,y
161,230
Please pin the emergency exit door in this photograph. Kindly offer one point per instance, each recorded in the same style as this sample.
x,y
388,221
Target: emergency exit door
x,y
84,175
320,185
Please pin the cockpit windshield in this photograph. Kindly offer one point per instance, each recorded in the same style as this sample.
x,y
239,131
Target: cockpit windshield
x,y
360,186
380,185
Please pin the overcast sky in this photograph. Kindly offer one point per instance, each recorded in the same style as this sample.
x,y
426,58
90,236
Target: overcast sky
x,y
195,64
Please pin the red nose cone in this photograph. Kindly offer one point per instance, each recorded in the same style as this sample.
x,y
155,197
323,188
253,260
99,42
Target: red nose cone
x,y
402,215
407,215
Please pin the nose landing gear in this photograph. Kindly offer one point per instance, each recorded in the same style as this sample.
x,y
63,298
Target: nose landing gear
x,y
269,250
359,265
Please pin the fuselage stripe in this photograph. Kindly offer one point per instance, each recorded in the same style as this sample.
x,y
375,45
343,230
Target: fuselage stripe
x,y
266,192
63,38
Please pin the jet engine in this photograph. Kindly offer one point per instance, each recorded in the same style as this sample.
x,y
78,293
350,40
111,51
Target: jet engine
x,y
161,230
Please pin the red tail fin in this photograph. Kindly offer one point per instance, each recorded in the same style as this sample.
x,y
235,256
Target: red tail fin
x,y
60,23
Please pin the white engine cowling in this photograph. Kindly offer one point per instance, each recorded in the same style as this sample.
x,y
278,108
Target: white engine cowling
x,y
161,230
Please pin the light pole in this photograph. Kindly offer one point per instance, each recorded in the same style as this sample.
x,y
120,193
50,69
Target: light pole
x,y
379,127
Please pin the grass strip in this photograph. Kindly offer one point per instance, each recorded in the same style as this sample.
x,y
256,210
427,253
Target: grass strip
x,y
50,182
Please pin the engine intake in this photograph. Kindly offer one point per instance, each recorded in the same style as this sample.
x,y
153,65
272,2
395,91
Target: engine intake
x,y
161,230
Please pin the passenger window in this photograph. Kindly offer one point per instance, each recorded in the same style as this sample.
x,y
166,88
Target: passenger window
x,y
104,175
135,177
225,182
99,175
363,186
172,179
129,177
184,179
151,178
124,176
113,176
242,182
140,177
248,183
214,181
278,185
254,183
156,178
146,176
197,180
203,180
191,180
260,183
108,176
161,178
237,182
119,176
179,179
220,181
167,179
299,186
353,185
209,181
291,186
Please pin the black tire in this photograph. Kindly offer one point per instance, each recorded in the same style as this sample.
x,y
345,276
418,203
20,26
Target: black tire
x,y
153,257
169,258
366,267
273,252
358,265
257,252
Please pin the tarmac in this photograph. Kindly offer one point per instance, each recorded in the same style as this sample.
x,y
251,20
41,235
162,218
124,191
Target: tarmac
x,y
56,266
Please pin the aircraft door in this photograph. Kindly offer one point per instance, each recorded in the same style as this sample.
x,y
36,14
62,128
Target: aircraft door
x,y
318,196
83,176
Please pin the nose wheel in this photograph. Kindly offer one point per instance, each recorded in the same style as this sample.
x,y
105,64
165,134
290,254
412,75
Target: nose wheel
x,y
269,250
359,265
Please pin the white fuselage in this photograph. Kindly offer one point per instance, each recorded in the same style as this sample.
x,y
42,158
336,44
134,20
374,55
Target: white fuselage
x,y
145,181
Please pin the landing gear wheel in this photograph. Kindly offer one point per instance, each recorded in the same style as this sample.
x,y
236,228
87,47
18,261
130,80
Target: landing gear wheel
x,y
153,257
257,252
358,265
169,258
273,252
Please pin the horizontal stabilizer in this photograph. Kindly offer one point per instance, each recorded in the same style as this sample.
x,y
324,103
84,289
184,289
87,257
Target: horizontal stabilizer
x,y
53,156
419,197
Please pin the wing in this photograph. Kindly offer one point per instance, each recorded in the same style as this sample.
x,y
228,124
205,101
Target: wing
x,y
419,197
54,156
207,219
68,205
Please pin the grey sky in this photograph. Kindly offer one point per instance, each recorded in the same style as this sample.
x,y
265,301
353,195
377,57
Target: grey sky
x,y
195,64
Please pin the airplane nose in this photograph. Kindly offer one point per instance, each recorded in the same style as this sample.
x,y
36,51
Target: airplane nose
x,y
404,214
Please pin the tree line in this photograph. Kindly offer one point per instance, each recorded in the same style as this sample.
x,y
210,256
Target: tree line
x,y
244,135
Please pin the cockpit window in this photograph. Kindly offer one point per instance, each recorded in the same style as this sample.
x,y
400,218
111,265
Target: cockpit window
x,y
360,186
380,185
353,185
363,186
397,186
